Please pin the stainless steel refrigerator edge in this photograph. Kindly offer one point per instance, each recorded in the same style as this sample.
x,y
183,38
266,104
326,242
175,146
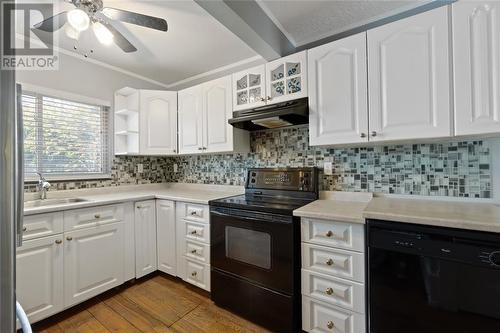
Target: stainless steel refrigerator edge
x,y
11,193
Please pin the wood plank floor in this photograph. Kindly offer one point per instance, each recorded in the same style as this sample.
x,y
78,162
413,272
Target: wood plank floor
x,y
157,304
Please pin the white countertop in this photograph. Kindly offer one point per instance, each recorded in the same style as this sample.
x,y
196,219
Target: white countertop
x,y
356,207
194,193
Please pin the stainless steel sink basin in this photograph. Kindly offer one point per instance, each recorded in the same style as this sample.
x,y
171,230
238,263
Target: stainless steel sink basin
x,y
52,202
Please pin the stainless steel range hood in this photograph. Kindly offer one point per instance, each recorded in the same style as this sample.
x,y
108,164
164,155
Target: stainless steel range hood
x,y
284,114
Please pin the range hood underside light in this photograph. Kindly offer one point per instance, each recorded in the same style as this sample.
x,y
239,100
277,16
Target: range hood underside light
x,y
272,122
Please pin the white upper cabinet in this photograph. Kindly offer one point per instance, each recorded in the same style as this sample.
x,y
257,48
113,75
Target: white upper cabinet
x,y
217,110
286,78
409,78
249,88
145,122
338,105
204,111
158,122
476,43
190,120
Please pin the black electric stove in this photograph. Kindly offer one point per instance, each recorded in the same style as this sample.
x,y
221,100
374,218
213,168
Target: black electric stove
x,y
255,247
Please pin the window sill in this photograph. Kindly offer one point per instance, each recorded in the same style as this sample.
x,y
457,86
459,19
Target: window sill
x,y
34,180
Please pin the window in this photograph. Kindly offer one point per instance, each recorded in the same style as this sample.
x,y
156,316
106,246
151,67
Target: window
x,y
65,139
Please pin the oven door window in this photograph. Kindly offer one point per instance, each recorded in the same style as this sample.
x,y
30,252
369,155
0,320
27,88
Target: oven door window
x,y
248,246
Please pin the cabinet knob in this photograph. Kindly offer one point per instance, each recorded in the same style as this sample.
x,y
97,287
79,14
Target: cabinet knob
x,y
58,241
174,150
139,207
200,148
329,291
374,133
329,233
69,238
193,232
24,228
330,324
269,98
262,99
329,262
194,274
97,216
363,135
193,251
193,213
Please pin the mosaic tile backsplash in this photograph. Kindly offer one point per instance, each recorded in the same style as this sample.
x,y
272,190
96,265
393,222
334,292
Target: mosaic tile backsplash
x,y
458,169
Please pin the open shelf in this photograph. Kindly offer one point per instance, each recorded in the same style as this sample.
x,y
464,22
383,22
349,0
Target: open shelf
x,y
126,112
126,120
126,132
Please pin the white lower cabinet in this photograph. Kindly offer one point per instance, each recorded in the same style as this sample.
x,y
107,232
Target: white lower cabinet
x,y
165,236
193,243
320,316
93,261
145,238
39,272
333,276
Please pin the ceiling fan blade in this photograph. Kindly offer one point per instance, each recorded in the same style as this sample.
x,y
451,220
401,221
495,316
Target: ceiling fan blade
x,y
119,39
136,18
52,23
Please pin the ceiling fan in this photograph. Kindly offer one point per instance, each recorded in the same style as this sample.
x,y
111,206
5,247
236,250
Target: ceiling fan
x,y
92,12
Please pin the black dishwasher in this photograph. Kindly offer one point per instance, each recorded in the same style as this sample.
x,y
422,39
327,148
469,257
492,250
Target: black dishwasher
x,y
432,280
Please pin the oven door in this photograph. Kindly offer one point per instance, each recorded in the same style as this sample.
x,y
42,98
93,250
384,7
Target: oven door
x,y
255,246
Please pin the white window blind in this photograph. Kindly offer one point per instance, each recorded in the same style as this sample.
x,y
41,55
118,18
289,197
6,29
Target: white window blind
x,y
65,139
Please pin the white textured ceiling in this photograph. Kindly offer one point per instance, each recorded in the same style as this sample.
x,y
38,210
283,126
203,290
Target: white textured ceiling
x,y
195,42
306,21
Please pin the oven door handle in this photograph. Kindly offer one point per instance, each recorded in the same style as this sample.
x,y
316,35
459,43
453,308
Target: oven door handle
x,y
266,218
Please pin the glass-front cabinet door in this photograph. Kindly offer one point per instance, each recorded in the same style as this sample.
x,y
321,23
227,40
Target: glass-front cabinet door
x,y
286,78
249,88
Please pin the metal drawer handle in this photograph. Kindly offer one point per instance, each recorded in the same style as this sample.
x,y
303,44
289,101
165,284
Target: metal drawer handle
x,y
193,251
193,232
374,133
97,216
58,241
194,212
363,135
329,262
25,228
69,238
329,233
194,274
329,291
330,324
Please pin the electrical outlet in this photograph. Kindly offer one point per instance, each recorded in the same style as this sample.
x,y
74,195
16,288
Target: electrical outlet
x,y
176,168
140,168
328,168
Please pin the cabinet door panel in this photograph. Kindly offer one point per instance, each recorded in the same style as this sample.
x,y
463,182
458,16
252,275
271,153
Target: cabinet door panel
x,y
249,88
145,238
190,120
409,78
476,43
217,111
165,219
93,261
158,122
39,277
338,101
286,78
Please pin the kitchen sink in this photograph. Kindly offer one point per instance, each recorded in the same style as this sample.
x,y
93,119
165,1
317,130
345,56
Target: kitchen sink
x,y
52,202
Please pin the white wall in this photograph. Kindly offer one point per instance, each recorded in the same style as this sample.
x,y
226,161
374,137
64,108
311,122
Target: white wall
x,y
84,78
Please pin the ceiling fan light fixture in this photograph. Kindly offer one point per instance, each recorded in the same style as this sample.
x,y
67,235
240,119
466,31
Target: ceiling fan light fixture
x,y
78,19
71,32
102,33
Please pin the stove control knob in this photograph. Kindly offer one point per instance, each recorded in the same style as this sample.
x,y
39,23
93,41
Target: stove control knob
x,y
495,258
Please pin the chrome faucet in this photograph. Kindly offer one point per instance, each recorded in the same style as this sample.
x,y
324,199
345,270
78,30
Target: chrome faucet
x,y
43,186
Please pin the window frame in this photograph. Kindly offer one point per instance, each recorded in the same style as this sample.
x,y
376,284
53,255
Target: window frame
x,y
107,137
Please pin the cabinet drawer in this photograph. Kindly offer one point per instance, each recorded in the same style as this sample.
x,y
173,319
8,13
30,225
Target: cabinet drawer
x,y
318,317
198,274
40,225
193,212
198,251
91,217
196,231
334,233
336,262
332,290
